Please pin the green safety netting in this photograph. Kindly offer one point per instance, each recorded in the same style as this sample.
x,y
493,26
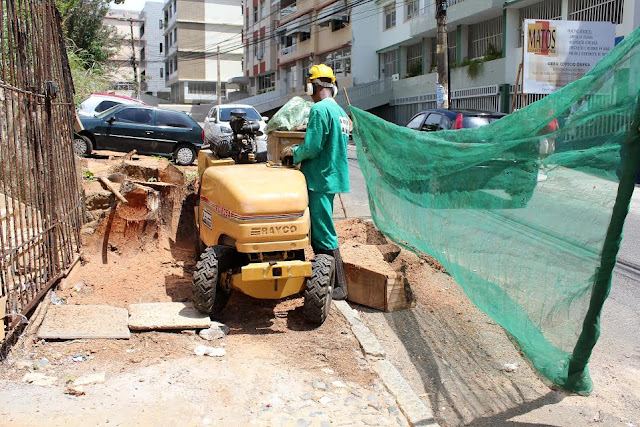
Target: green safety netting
x,y
529,230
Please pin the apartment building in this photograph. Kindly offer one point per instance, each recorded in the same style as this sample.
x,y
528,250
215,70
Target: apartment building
x,y
127,25
192,31
283,39
394,49
152,46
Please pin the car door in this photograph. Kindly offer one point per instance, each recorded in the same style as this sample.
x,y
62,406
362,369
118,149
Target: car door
x,y
171,127
128,129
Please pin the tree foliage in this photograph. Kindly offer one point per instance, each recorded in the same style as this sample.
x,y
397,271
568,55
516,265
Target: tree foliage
x,y
91,40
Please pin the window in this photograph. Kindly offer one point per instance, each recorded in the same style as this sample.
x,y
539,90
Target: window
x,y
338,25
170,42
105,105
411,9
175,63
160,47
134,115
160,23
212,113
266,83
141,30
390,16
171,119
255,13
142,55
390,63
414,60
161,72
485,38
339,61
175,35
432,123
597,10
305,36
175,7
416,122
252,114
263,9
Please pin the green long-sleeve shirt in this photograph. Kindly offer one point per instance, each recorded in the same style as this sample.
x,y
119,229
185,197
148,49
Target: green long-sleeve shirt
x,y
323,153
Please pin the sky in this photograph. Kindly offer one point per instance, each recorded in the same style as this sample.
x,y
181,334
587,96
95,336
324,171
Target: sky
x,y
135,5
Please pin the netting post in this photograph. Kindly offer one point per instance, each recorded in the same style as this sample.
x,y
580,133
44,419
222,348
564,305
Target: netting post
x,y
578,380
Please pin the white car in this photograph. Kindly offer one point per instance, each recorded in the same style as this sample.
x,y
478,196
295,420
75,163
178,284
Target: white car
x,y
217,124
99,102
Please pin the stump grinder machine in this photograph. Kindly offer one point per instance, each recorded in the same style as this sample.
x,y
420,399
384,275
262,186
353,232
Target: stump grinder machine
x,y
253,226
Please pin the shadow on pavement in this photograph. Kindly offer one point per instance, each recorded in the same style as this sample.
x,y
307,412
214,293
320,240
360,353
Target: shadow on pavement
x,y
461,370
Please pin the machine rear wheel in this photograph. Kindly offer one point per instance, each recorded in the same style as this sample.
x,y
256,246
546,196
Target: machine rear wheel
x,y
209,296
318,290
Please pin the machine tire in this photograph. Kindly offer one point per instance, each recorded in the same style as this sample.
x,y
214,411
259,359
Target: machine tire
x,y
319,289
208,296
184,154
82,145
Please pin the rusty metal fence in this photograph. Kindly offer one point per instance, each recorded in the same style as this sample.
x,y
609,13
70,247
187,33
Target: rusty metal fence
x,y
40,200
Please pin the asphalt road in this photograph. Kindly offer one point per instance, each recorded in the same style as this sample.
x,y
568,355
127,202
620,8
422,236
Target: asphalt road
x,y
615,363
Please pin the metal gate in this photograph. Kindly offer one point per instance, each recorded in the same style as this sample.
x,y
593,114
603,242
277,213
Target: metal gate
x,y
40,200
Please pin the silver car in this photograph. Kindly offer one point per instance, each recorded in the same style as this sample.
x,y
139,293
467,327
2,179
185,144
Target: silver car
x,y
216,125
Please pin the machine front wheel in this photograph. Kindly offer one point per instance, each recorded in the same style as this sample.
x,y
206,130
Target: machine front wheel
x,y
209,296
318,290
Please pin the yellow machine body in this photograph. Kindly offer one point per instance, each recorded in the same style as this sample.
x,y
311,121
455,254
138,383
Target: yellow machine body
x,y
262,211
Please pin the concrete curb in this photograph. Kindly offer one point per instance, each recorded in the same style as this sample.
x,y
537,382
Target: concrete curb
x,y
416,412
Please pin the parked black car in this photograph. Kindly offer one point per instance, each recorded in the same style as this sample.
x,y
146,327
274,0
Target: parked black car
x,y
148,130
434,120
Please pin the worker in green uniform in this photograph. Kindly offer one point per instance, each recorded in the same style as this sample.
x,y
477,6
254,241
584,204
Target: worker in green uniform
x,y
323,159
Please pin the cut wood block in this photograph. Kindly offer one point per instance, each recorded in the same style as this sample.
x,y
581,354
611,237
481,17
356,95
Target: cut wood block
x,y
370,279
165,316
170,174
84,321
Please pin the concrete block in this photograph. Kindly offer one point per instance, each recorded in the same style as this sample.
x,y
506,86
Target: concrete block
x,y
84,321
410,404
166,315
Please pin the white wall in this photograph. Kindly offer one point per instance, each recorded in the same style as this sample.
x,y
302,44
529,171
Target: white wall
x,y
366,29
223,12
152,37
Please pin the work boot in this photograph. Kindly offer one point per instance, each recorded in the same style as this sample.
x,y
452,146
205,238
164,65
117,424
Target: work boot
x,y
339,279
340,282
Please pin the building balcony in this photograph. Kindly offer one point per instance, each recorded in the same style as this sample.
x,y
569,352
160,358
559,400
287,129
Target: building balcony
x,y
289,49
289,10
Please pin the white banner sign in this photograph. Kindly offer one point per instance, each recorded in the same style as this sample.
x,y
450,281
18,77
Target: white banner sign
x,y
559,52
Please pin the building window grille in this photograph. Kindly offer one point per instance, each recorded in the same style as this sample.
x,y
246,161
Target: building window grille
x,y
485,37
596,10
390,63
390,16
414,60
266,83
548,9
412,8
339,61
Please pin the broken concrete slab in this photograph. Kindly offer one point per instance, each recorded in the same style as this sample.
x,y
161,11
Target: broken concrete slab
x,y
85,321
98,378
166,315
39,379
216,331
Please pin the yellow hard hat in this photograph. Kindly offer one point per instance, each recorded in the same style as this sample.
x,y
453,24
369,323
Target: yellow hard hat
x,y
321,71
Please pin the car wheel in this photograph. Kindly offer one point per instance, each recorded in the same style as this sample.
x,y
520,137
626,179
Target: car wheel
x,y
184,155
82,145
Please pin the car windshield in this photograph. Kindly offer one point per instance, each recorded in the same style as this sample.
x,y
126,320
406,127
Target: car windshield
x,y
477,121
105,113
252,114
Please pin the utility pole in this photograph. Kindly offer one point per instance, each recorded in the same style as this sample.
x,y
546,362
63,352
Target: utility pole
x,y
442,56
133,61
219,83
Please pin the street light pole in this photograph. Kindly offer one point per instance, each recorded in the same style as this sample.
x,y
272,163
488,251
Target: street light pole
x,y
442,55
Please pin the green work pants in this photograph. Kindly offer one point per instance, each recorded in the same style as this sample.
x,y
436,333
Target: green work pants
x,y
323,232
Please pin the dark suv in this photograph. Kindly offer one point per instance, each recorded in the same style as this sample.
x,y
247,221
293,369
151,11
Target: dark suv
x,y
148,130
434,120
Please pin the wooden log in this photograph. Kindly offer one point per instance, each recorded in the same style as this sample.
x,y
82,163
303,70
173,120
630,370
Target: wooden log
x,y
113,189
129,155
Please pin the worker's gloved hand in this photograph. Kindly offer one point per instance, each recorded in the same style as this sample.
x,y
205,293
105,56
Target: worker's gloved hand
x,y
288,150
